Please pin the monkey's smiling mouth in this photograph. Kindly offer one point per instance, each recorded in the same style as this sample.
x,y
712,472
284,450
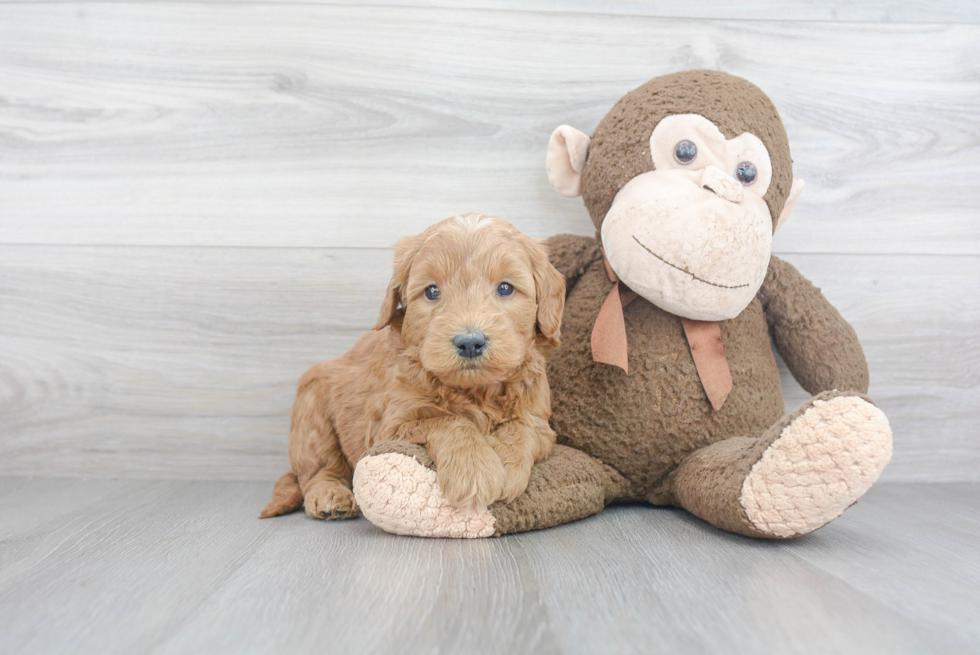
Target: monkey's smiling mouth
x,y
687,272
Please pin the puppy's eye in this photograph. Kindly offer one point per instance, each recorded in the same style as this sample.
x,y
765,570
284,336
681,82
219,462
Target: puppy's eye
x,y
685,152
504,289
432,292
746,173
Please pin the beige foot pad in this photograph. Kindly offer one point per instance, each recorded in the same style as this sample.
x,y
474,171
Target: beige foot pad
x,y
820,464
400,495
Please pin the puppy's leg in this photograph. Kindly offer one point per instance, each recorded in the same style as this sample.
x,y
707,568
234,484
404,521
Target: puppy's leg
x,y
520,444
470,472
316,458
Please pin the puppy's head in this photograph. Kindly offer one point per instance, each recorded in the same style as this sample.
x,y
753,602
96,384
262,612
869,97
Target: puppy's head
x,y
476,297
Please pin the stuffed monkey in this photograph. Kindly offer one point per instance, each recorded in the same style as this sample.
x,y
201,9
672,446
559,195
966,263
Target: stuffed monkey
x,y
665,388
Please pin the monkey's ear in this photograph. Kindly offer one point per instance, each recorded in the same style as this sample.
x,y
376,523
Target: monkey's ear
x,y
794,195
393,307
567,151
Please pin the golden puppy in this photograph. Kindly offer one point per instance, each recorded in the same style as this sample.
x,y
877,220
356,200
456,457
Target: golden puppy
x,y
455,362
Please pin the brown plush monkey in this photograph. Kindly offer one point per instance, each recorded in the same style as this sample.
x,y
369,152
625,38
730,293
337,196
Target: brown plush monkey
x,y
665,389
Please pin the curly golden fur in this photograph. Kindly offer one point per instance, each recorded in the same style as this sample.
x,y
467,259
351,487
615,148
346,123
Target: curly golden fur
x,y
483,418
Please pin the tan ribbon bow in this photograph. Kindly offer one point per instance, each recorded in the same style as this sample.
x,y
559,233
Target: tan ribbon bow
x,y
703,337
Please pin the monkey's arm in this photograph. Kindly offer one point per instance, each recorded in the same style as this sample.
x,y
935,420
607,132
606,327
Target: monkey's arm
x,y
820,348
571,254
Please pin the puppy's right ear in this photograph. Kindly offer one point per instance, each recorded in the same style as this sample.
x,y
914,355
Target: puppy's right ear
x,y
549,293
393,307
567,151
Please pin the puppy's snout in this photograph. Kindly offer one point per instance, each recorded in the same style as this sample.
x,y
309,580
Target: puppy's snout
x,y
470,344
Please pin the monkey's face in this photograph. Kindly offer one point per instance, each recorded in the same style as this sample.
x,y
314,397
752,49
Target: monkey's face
x,y
686,179
694,235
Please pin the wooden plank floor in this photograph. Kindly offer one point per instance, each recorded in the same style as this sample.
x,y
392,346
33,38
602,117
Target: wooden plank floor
x,y
178,566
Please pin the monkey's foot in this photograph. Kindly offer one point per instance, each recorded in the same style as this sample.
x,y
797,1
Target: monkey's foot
x,y
397,489
396,485
823,458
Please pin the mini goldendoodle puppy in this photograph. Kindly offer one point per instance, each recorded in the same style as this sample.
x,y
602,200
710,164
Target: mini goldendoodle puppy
x,y
456,362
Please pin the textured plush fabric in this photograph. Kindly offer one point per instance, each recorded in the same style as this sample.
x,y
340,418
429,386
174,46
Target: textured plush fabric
x,y
407,448
789,475
648,423
567,151
643,424
818,345
620,147
655,426
397,489
567,486
821,462
572,255
652,434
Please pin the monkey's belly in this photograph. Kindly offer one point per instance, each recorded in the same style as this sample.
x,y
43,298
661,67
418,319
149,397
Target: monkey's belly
x,y
644,423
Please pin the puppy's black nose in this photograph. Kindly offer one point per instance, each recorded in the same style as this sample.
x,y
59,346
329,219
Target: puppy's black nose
x,y
470,344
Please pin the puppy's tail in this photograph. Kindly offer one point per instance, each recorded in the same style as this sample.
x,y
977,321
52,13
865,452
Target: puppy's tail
x,y
286,497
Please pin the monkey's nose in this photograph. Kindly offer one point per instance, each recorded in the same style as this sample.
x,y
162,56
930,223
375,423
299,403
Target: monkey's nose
x,y
715,180
470,344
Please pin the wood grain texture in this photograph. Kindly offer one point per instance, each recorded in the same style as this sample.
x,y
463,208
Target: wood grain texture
x,y
914,553
169,361
344,126
177,567
143,144
181,362
890,11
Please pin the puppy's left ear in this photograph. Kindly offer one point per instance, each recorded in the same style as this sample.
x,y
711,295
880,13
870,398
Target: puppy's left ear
x,y
550,291
393,307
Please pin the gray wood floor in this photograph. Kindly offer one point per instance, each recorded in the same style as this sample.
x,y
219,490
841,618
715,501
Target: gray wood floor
x,y
180,566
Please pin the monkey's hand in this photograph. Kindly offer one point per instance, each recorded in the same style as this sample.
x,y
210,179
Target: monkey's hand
x,y
819,347
572,254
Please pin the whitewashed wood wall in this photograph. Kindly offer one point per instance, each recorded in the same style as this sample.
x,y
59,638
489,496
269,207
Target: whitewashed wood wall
x,y
197,199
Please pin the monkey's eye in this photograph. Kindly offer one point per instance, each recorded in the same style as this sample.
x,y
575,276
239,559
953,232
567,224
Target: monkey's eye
x,y
504,289
746,173
685,152
432,292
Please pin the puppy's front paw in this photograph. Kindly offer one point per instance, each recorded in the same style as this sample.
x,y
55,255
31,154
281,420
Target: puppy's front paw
x,y
472,477
330,500
516,477
520,444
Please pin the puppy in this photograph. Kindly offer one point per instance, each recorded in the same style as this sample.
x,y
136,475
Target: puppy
x,y
456,362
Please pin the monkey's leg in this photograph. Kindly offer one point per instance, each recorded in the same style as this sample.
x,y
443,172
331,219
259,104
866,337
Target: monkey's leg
x,y
396,486
800,475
